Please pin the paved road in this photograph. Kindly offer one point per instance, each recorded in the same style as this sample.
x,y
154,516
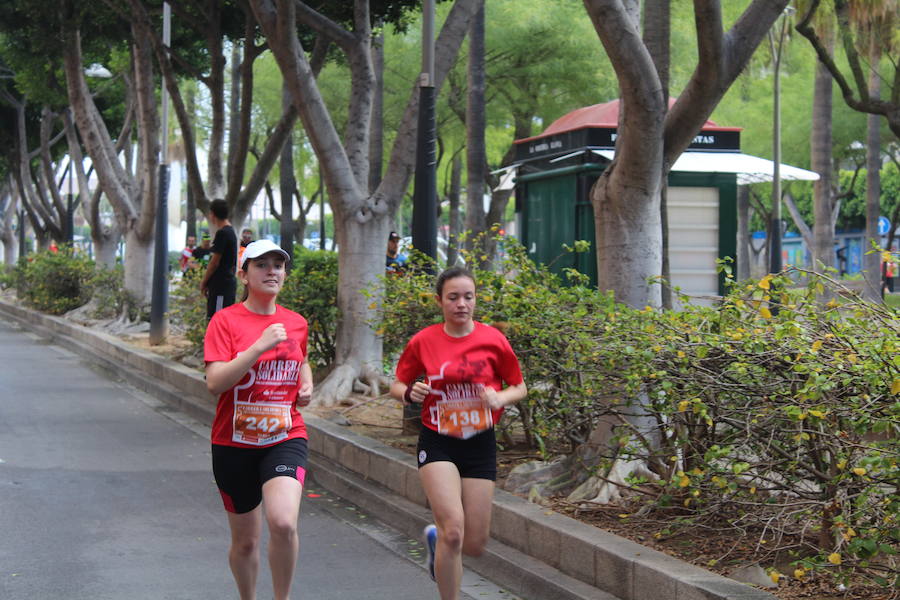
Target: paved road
x,y
107,494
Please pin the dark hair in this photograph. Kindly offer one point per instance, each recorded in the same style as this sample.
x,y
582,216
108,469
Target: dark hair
x,y
451,273
219,208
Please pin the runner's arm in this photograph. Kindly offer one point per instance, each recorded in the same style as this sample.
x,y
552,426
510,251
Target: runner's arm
x,y
417,393
306,385
214,259
222,375
505,397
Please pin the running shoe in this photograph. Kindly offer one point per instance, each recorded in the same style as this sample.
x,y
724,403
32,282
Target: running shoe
x,y
429,536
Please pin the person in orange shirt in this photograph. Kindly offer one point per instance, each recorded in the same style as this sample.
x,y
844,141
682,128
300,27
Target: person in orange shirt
x,y
246,238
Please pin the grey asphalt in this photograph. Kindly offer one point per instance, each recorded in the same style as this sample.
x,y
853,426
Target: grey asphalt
x,y
106,493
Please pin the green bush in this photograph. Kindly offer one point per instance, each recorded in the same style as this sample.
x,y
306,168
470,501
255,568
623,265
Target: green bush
x,y
187,308
782,412
108,292
55,282
311,290
8,276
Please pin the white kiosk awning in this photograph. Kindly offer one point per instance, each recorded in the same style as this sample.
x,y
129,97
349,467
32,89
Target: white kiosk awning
x,y
749,169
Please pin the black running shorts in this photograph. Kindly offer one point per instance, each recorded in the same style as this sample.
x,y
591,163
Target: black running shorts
x,y
475,458
241,472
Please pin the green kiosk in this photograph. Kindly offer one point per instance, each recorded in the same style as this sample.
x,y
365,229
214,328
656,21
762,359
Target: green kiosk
x,y
554,171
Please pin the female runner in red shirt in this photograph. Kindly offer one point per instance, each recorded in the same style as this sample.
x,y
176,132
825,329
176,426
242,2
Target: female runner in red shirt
x,y
255,354
464,365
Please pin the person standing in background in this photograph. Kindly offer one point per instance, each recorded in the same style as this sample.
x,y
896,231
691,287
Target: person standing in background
x,y
219,283
246,238
201,252
394,261
188,253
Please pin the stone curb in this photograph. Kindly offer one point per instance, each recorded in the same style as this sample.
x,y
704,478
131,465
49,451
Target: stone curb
x,y
534,552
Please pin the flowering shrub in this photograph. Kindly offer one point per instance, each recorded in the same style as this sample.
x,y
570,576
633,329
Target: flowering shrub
x,y
311,290
55,282
187,308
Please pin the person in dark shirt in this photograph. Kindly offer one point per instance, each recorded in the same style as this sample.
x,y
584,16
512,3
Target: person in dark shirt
x,y
394,261
200,254
219,283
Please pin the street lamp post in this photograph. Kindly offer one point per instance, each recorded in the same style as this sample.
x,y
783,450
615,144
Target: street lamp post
x,y
777,227
22,225
159,302
321,211
70,208
424,217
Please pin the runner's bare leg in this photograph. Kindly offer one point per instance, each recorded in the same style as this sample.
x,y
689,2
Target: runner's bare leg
x,y
281,499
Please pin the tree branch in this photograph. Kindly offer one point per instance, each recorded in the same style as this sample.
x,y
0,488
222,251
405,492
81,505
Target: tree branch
x,y
267,159
324,26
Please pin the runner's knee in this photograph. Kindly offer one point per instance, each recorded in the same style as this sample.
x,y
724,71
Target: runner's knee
x,y
245,547
451,535
283,528
473,544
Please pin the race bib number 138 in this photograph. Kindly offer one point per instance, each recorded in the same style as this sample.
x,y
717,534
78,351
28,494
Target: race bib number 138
x,y
463,418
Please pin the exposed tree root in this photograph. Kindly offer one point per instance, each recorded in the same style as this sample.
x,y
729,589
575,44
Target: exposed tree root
x,y
344,381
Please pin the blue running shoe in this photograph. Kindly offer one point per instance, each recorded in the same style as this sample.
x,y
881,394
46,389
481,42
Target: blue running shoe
x,y
429,536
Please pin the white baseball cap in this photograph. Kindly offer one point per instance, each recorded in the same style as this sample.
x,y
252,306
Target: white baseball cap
x,y
260,247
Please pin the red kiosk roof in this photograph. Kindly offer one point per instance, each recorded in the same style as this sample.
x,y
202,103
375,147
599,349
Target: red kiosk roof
x,y
605,115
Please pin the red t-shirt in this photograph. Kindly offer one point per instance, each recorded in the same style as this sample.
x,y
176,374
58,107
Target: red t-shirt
x,y
186,255
455,367
259,410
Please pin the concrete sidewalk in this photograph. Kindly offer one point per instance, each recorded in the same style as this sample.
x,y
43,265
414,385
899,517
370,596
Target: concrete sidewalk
x,y
538,554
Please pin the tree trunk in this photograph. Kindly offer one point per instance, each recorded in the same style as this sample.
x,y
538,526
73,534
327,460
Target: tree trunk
x,y
287,185
104,237
216,82
805,232
43,214
626,196
133,201
657,32
190,213
742,268
454,197
822,163
358,346
476,152
376,139
872,269
234,110
8,206
139,271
